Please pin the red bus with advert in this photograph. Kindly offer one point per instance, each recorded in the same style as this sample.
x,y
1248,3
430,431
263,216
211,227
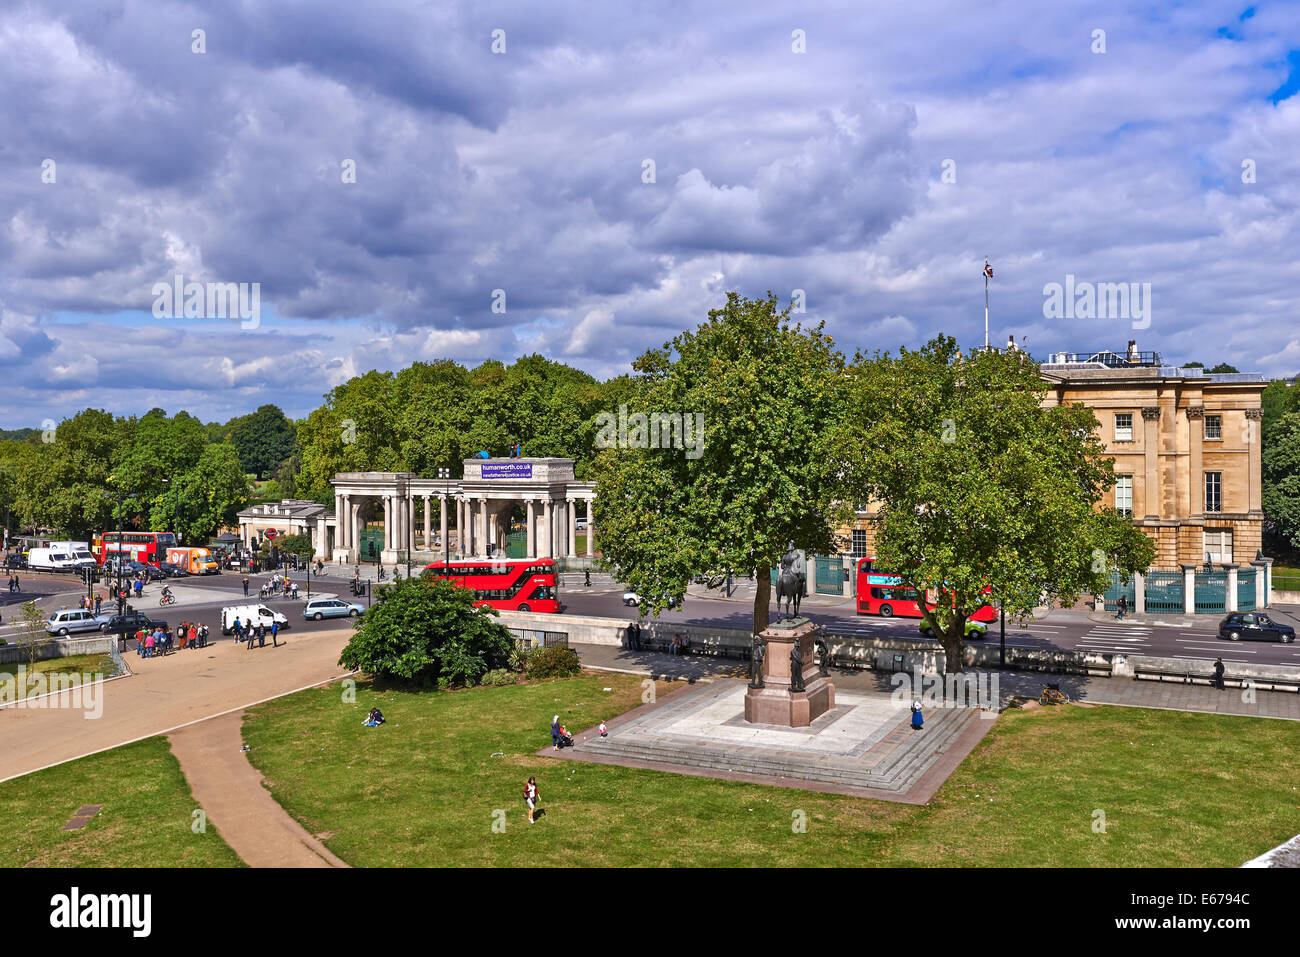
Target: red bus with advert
x,y
147,547
880,593
510,585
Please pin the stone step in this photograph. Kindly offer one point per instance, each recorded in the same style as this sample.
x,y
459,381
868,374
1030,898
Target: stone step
x,y
903,766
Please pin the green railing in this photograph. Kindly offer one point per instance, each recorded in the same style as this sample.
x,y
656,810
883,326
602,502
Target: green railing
x,y
1246,589
830,576
1164,592
1117,588
1211,592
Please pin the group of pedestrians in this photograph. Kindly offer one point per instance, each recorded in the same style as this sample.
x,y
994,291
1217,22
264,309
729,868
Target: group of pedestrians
x,y
90,604
277,585
13,584
256,634
151,642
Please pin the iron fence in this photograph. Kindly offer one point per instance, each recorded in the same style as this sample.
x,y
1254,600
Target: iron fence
x,y
1164,592
1118,588
1246,589
1210,593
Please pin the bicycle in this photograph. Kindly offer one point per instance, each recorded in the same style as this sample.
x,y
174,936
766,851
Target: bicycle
x,y
167,600
1053,694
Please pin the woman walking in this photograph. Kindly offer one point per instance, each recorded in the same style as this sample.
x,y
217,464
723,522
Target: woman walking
x,y
531,796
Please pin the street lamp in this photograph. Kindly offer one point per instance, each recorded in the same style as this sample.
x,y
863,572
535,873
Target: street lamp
x,y
445,475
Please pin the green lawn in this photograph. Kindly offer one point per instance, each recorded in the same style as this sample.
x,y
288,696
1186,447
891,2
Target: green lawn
x,y
87,666
145,822
1176,789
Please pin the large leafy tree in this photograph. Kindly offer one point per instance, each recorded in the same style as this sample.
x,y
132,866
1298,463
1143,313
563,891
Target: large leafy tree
x,y
204,497
980,486
766,391
61,482
428,630
264,439
1281,479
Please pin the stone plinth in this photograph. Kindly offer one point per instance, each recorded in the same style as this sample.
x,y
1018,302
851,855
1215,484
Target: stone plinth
x,y
776,703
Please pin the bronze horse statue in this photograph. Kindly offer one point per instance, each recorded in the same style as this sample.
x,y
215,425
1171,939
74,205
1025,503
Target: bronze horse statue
x,y
792,582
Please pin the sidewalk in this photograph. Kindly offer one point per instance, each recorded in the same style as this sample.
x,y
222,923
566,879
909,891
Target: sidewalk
x,y
1090,690
1289,614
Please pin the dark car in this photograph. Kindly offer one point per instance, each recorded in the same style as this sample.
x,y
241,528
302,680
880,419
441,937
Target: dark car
x,y
131,569
15,561
171,570
130,623
1254,626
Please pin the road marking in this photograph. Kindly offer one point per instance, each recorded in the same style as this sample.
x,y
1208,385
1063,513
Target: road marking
x,y
1240,651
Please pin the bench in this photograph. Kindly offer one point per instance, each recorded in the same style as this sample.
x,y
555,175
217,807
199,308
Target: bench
x,y
1189,677
1061,666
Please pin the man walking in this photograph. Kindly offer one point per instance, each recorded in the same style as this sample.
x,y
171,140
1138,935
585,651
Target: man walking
x,y
1121,606
245,586
1218,674
99,600
275,630
261,634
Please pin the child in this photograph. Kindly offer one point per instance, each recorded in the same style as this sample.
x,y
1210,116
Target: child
x,y
531,796
603,732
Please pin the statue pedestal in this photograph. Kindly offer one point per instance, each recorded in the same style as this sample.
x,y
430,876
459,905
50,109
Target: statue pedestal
x,y
776,703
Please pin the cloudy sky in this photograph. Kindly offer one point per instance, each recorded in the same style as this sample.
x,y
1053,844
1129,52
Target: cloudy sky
x,y
596,182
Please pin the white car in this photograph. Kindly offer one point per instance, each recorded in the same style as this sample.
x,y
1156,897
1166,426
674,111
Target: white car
x,y
633,600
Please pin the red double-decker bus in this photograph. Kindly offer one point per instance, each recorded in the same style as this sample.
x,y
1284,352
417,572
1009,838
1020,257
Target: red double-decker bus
x,y
148,547
880,593
518,585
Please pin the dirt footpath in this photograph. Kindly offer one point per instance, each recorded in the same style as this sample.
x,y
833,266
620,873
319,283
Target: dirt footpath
x,y
232,794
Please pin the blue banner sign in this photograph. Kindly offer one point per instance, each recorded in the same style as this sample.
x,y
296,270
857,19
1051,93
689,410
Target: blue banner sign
x,y
507,470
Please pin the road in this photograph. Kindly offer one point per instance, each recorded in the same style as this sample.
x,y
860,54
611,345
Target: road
x,y
1059,630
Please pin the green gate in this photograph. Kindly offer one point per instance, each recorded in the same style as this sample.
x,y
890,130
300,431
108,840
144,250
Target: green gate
x,y
830,576
1246,589
1164,592
1117,588
1211,593
516,544
368,537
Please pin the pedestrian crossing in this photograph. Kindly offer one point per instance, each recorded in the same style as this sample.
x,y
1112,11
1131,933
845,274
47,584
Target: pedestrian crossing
x,y
1117,637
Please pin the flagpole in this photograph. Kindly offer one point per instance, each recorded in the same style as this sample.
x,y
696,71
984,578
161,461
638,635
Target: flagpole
x,y
986,303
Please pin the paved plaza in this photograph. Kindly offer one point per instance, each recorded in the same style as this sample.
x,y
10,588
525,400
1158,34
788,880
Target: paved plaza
x,y
865,746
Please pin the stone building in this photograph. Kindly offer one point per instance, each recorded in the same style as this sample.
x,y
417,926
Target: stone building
x,y
397,511
1186,445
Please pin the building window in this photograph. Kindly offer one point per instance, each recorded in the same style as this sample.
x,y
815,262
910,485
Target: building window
x,y
1124,495
1218,545
1214,428
859,543
1123,426
1214,491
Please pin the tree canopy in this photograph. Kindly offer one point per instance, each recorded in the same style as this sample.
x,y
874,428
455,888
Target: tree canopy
x,y
983,493
757,394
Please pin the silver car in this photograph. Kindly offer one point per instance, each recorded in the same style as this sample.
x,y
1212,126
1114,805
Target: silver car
x,y
319,608
67,620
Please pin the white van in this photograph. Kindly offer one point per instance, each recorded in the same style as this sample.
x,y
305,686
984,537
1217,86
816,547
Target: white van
x,y
249,616
59,559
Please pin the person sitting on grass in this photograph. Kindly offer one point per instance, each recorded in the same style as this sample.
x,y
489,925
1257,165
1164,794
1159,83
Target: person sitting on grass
x,y
374,719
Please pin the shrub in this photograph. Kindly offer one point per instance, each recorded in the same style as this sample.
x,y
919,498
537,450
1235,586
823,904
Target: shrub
x,y
498,677
557,661
427,630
